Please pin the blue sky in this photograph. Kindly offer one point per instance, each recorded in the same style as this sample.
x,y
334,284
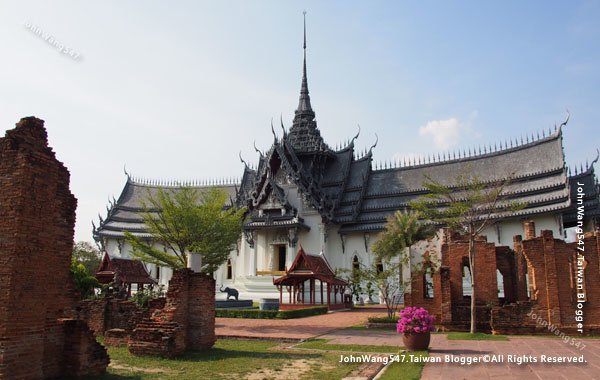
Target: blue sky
x,y
175,90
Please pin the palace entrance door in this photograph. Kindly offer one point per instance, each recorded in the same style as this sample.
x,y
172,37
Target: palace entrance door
x,y
280,256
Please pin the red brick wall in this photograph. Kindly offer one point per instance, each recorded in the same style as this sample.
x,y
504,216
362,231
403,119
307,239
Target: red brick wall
x,y
551,266
109,313
36,241
448,304
201,312
551,263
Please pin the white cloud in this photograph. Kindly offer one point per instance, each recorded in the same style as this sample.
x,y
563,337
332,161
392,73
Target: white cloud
x,y
445,133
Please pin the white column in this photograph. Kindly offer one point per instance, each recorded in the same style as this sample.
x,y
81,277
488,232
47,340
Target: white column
x,y
271,255
322,232
252,266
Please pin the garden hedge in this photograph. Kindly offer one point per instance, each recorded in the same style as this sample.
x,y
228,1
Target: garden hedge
x,y
383,319
270,314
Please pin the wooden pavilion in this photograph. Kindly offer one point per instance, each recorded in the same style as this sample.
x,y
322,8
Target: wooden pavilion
x,y
300,282
123,273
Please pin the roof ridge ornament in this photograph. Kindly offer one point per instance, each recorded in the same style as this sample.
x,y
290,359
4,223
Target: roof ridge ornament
x,y
356,136
125,171
564,123
273,130
258,151
374,145
282,126
241,159
597,157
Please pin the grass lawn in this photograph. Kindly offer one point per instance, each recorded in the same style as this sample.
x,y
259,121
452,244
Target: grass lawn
x,y
476,336
229,359
406,370
321,344
356,327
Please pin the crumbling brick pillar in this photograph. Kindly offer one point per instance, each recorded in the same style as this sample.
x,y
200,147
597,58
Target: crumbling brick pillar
x,y
187,321
201,312
521,266
529,229
36,242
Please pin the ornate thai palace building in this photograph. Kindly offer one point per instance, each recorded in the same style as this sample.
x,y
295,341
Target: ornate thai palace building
x,y
334,202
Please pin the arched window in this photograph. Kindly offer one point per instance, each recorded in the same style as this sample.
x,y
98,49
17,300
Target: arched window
x,y
428,283
229,270
466,278
500,281
379,266
355,263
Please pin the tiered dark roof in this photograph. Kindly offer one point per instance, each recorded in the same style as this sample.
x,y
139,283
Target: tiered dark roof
x,y
347,190
587,181
126,213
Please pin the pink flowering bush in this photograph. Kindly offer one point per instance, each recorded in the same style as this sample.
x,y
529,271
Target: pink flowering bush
x,y
414,320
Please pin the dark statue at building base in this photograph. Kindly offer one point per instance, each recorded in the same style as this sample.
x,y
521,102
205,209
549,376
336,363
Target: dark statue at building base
x,y
231,292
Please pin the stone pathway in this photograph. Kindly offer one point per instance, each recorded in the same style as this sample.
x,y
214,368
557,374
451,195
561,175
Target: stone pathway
x,y
294,329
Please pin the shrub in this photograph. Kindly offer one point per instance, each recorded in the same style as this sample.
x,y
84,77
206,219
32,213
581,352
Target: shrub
x,y
383,319
414,320
299,313
270,314
143,296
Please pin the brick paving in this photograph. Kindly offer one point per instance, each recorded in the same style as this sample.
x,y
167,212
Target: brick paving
x,y
295,329
331,327
516,345
519,346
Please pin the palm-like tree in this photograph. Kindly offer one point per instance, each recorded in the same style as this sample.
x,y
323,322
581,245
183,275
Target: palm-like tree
x,y
402,230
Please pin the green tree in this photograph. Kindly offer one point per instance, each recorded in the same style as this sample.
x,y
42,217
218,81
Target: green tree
x,y
468,205
84,282
402,230
383,273
186,220
88,255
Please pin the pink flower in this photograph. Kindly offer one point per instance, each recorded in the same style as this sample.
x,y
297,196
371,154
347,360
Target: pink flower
x,y
413,319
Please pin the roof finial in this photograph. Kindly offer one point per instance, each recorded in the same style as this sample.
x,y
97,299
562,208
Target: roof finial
x,y
304,105
304,14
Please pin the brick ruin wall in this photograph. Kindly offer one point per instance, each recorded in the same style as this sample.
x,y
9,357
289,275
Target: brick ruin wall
x,y
552,281
186,322
448,304
109,313
38,337
550,265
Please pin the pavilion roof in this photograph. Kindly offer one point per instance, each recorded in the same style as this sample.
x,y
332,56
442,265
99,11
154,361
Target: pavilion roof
x,y
307,266
123,270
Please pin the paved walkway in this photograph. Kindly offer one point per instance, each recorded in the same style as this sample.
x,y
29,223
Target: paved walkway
x,y
517,346
331,325
295,329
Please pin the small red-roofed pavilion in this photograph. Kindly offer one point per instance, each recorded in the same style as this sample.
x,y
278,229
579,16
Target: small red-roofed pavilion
x,y
300,282
123,273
